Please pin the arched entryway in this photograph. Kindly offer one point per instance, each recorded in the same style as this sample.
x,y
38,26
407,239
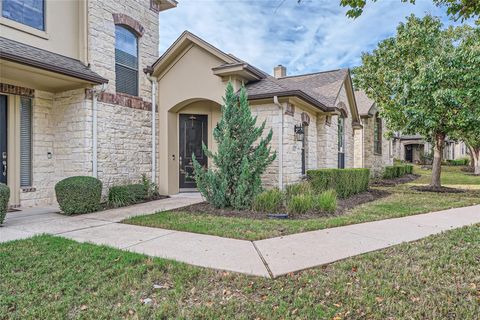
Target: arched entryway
x,y
189,124
413,152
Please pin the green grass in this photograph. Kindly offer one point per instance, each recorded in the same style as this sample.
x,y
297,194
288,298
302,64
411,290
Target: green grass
x,y
451,175
402,202
53,278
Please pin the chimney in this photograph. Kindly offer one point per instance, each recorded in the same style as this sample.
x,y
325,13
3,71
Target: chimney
x,y
279,71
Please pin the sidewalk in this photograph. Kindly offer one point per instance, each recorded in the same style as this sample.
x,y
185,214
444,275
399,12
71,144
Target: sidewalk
x,y
268,258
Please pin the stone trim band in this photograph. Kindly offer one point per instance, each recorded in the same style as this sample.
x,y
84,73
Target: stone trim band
x,y
17,90
121,99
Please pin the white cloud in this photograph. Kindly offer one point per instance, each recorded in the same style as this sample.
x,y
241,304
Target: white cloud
x,y
312,36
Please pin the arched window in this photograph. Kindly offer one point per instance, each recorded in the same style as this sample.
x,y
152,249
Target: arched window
x,y
377,135
341,141
126,60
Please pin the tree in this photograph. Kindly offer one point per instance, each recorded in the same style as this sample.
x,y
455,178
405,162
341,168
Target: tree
x,y
466,91
413,77
242,156
457,9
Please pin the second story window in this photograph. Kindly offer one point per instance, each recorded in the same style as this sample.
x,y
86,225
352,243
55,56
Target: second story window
x,y
377,138
27,12
126,60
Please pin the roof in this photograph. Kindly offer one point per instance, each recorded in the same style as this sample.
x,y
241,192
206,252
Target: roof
x,y
22,53
321,88
364,103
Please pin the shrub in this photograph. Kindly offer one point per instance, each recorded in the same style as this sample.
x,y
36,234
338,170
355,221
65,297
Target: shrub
x,y
397,171
345,182
268,201
326,201
301,203
4,197
120,196
150,187
79,194
297,189
458,162
408,169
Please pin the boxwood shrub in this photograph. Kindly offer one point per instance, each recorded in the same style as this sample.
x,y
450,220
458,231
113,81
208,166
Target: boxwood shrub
x,y
120,196
4,197
80,194
397,171
346,182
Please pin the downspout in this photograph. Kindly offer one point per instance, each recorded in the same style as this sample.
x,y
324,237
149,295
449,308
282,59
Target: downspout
x,y
95,93
153,81
280,143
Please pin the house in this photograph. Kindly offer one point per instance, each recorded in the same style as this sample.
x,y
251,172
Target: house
x,y
313,116
77,82
74,99
415,149
372,149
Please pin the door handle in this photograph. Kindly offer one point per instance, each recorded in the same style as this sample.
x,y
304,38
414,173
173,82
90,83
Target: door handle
x,y
4,165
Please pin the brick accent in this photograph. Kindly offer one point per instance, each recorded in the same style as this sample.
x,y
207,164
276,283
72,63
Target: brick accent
x,y
20,91
120,18
121,99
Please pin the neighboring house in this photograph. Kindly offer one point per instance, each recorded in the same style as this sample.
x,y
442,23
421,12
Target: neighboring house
x,y
55,119
372,149
414,148
313,116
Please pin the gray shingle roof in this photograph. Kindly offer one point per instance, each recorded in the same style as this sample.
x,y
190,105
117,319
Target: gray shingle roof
x,y
22,53
364,103
320,88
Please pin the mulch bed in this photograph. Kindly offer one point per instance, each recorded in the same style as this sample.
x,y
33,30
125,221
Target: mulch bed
x,y
342,207
438,190
393,182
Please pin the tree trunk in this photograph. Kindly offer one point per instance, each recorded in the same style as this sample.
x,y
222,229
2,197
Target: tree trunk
x,y
438,146
475,155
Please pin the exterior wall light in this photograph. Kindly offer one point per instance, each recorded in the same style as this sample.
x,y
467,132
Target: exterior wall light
x,y
299,132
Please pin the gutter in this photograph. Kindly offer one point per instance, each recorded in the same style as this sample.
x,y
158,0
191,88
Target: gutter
x,y
280,143
298,93
153,81
95,93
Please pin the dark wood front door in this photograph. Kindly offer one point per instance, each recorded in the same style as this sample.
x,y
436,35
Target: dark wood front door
x,y
3,139
193,131
409,153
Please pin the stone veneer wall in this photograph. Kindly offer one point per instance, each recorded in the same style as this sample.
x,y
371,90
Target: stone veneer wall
x,y
375,162
101,37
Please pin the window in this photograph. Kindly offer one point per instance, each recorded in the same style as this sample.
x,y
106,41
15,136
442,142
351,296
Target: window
x,y
341,142
25,142
126,60
27,12
377,135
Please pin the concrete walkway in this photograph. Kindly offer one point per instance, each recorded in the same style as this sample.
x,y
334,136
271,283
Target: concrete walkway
x,y
267,258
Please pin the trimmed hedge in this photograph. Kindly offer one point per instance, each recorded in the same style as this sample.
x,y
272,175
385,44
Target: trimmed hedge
x,y
120,196
459,162
80,194
346,182
4,197
397,171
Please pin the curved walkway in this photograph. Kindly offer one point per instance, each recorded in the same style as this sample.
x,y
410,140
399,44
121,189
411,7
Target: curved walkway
x,y
269,258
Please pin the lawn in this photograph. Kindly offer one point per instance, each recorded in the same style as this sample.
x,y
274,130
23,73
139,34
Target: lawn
x,y
53,278
403,201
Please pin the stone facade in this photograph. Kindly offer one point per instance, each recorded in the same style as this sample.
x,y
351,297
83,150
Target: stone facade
x,y
62,144
372,160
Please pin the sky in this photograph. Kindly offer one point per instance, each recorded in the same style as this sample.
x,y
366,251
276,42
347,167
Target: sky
x,y
312,36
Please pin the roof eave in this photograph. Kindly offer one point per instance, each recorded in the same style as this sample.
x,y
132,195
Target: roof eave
x,y
295,93
52,68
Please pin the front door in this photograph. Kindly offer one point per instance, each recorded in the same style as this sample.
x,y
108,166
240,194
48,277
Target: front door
x,y
409,153
193,131
3,139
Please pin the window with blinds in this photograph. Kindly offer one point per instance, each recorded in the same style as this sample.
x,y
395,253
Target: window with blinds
x,y
126,61
25,142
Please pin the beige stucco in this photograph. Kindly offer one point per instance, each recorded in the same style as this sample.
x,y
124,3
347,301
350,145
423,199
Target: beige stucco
x,y
65,29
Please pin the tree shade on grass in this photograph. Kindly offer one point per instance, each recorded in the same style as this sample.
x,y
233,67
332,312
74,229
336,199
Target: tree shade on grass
x,y
55,278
